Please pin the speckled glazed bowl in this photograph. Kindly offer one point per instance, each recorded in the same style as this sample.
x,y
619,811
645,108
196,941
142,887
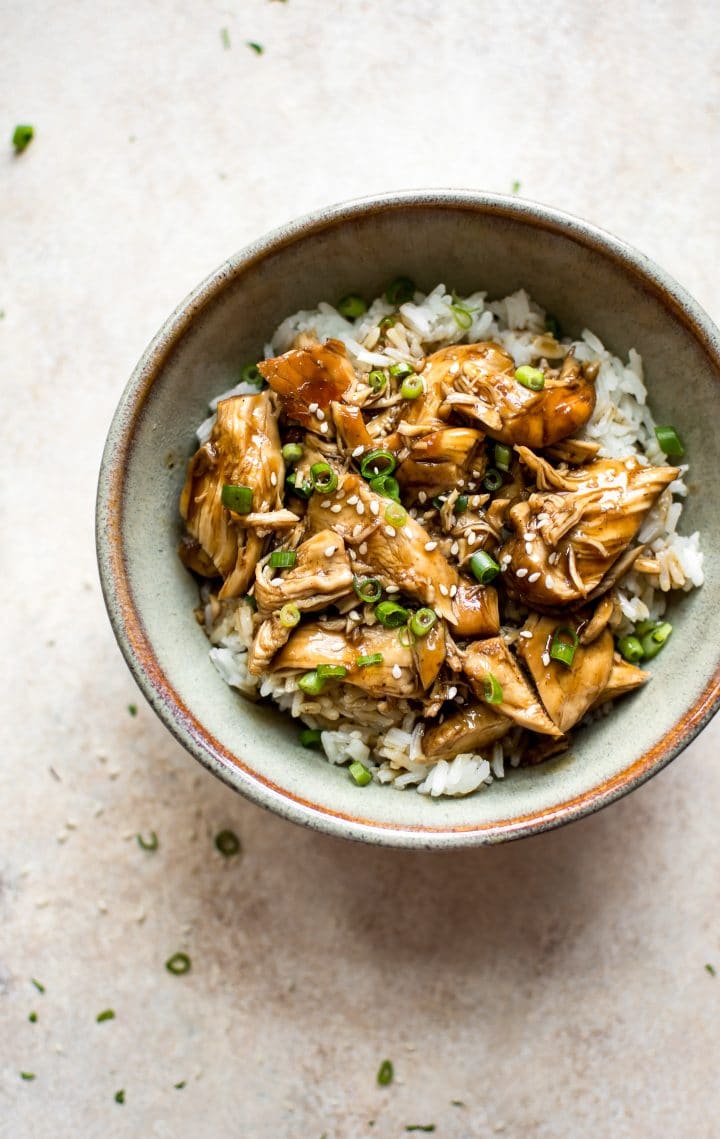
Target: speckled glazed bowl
x,y
468,240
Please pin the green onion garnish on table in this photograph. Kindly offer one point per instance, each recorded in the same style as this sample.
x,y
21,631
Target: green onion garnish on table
x,y
669,441
178,964
385,1073
149,843
283,559
532,378
227,843
484,568
239,499
352,306
563,645
22,137
360,774
106,1014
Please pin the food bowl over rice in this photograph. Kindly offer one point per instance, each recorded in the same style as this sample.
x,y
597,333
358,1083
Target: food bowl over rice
x,y
438,524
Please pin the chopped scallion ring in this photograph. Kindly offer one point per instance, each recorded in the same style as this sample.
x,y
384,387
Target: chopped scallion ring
x,y
385,1073
396,515
461,504
669,441
22,137
310,737
563,645
493,480
388,322
228,843
250,374
289,616
422,622
352,306
293,452
401,290
387,486
331,671
368,589
377,462
106,1014
405,636
377,380
503,457
630,648
462,315
412,387
310,683
150,843
239,499
532,378
492,689
178,964
282,559
324,478
302,491
368,661
483,567
656,639
360,774
391,615
402,368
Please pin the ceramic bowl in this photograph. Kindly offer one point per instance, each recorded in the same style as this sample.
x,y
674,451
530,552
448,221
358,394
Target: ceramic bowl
x,y
468,240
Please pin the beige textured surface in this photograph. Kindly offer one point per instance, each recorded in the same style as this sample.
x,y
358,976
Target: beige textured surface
x,y
556,987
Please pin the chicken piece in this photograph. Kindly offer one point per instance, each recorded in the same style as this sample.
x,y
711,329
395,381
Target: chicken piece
x,y
269,639
429,653
350,428
270,521
396,557
321,575
624,678
573,451
469,731
312,645
312,377
598,622
568,536
193,556
542,748
441,460
566,693
493,658
243,450
505,408
477,610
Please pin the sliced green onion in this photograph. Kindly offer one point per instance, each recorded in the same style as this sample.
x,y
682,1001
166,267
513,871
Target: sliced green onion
x,y
422,622
563,645
462,315
360,774
493,480
150,843
38,985
27,1075
368,589
388,322
385,1073
532,378
405,637
655,640
396,515
293,452
303,491
289,616
178,964
387,486
310,683
32,1017
483,567
552,326
310,737
439,501
492,689
371,659
282,559
132,709
503,457
120,1096
250,374
402,289
669,441
324,478
180,1084
228,843
377,462
402,368
106,1014
644,627
352,306
391,615
239,499
412,387
377,380
22,137
256,47
631,648
461,504
331,671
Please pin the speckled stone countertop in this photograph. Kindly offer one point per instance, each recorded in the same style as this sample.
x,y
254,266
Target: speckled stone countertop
x,y
549,989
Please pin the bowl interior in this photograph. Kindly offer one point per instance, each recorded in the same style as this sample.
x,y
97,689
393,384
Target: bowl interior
x,y
581,277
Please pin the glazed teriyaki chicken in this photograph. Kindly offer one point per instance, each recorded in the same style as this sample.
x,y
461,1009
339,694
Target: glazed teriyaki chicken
x,y
434,543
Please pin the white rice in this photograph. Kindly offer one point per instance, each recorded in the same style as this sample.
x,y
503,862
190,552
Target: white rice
x,y
388,739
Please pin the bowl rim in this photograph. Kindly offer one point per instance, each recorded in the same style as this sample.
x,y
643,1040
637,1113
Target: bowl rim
x,y
126,619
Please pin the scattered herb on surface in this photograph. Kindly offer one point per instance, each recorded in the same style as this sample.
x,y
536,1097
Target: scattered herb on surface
x,y
257,48
228,843
180,1084
40,988
178,964
385,1073
32,1017
711,970
120,1096
225,37
132,709
2,313
420,1127
22,137
516,187
27,1075
457,1103
106,1014
150,843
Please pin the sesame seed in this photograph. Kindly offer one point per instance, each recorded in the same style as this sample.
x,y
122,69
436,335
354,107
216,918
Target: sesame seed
x,y
522,572
461,482
392,588
324,428
326,505
396,671
453,590
390,531
533,577
506,559
430,546
312,408
454,369
548,581
352,554
330,551
358,451
528,548
354,615
352,500
443,589
357,530
422,497
526,633
320,414
273,478
374,506
452,692
360,508
546,659
336,508
277,581
362,549
454,549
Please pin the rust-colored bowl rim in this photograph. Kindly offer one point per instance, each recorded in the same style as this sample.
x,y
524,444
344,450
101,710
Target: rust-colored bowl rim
x,y
127,621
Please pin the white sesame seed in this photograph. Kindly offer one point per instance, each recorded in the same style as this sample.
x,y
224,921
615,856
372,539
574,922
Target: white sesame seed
x,y
422,497
357,530
354,615
273,478
430,546
454,369
443,589
330,551
324,428
352,554
548,581
461,482
326,505
352,500
396,671
358,451
546,659
277,581
312,408
452,692
374,506
453,590
506,559
360,508
526,633
320,414
336,508
390,531
522,572
362,549
528,549
533,577
392,588
454,549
